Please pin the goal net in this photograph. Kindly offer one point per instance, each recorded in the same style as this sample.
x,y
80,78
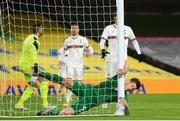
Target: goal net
x,y
17,18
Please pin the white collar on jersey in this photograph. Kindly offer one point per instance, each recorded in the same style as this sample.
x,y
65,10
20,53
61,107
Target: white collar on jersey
x,y
75,37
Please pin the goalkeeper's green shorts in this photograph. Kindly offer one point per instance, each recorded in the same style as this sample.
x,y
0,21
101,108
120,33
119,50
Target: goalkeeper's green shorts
x,y
91,96
88,97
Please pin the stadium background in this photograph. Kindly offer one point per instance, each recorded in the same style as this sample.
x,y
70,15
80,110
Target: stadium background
x,y
156,25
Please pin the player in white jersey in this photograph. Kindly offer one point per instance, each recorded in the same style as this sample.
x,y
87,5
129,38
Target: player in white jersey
x,y
63,62
63,68
75,46
110,34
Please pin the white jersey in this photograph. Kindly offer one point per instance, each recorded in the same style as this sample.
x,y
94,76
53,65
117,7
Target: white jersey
x,y
75,47
62,56
65,65
110,34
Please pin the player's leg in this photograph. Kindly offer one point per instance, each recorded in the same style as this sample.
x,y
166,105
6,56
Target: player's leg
x,y
111,69
79,72
84,104
108,69
27,93
109,74
55,112
112,96
56,79
87,97
43,86
69,74
44,93
74,85
87,100
62,73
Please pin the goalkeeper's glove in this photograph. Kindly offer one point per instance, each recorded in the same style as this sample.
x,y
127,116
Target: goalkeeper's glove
x,y
140,58
104,53
35,69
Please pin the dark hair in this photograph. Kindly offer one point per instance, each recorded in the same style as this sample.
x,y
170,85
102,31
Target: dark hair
x,y
74,24
35,27
136,81
113,15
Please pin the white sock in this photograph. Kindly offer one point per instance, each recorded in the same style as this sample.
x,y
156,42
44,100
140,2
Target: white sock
x,y
68,95
34,79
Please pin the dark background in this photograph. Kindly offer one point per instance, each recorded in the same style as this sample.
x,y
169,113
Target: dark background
x,y
146,17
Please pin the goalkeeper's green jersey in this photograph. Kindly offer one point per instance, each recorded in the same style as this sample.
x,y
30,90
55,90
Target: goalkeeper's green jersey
x,y
89,95
29,53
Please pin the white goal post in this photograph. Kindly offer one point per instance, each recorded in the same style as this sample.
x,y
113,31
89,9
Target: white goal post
x,y
16,20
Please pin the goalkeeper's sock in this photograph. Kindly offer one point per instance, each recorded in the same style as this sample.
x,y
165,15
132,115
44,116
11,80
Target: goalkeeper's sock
x,y
52,77
68,95
27,93
44,93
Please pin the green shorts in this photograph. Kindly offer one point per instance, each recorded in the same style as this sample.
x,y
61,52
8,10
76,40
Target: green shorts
x,y
87,97
94,95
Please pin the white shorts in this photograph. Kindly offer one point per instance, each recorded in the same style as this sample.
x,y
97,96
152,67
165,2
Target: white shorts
x,y
75,72
111,69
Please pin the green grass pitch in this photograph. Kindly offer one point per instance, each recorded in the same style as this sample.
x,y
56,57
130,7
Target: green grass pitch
x,y
148,106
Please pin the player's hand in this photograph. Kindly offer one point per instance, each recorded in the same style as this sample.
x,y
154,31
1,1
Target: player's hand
x,y
124,102
140,58
35,69
121,71
61,63
88,54
104,53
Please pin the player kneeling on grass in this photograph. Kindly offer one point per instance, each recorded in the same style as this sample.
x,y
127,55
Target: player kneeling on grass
x,y
90,95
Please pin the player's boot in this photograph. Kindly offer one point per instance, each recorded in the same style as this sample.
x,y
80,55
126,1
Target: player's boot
x,y
48,112
105,105
49,107
20,107
66,104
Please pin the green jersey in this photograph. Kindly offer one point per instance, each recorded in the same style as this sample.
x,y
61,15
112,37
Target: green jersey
x,y
29,53
89,95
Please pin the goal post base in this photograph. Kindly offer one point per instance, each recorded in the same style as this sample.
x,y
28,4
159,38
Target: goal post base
x,y
120,110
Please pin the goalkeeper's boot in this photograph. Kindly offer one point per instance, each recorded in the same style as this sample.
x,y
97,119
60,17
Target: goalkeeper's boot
x,y
66,104
49,107
48,112
105,105
20,107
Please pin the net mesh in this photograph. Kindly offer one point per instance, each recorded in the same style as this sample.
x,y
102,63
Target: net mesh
x,y
17,18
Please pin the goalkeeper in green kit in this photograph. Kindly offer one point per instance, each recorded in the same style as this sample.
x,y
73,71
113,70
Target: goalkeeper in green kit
x,y
89,95
27,60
